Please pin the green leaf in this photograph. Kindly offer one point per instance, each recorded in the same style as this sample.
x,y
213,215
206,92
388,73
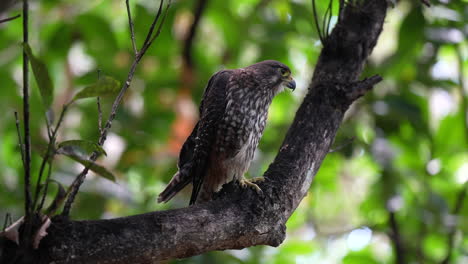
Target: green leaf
x,y
58,200
105,86
42,76
79,147
99,170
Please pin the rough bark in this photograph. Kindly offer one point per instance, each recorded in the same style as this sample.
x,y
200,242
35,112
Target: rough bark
x,y
240,218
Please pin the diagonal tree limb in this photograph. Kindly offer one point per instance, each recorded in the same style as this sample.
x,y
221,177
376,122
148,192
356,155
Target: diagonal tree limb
x,y
238,218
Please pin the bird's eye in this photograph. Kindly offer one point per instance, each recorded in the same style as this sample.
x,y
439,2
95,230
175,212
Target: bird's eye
x,y
284,72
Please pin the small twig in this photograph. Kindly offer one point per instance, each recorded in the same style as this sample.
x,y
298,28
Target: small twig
x,y
160,25
148,43
98,100
9,19
74,187
327,18
44,193
359,88
340,147
396,238
27,136
330,17
426,3
49,135
99,114
20,141
130,25
153,24
7,222
49,155
316,21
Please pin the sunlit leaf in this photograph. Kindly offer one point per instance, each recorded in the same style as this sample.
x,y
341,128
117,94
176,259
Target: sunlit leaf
x,y
79,147
105,86
99,170
42,76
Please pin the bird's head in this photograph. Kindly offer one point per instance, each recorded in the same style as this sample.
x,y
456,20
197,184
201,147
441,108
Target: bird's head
x,y
276,74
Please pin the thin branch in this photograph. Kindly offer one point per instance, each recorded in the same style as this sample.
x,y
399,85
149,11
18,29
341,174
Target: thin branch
x,y
46,182
130,25
48,155
327,18
49,135
99,105
20,141
7,222
396,238
74,187
99,114
461,196
9,18
160,25
316,21
426,3
27,136
153,24
343,145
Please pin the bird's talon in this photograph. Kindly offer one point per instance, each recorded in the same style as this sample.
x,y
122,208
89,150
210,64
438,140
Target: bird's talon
x,y
258,179
244,183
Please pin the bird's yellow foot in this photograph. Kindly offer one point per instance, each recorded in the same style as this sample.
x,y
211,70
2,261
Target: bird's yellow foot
x,y
244,183
257,179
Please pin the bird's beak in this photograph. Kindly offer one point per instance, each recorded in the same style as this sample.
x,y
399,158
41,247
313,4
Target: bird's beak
x,y
291,84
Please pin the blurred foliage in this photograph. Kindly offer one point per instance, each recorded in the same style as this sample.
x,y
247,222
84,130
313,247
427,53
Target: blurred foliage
x,y
408,158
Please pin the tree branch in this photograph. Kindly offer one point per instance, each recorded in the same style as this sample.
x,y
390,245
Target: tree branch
x,y
27,136
396,238
20,141
9,18
130,25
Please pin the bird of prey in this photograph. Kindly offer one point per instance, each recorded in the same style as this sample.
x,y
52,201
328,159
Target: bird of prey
x,y
233,113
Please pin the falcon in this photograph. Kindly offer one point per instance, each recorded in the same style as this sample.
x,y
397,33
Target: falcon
x,y
233,113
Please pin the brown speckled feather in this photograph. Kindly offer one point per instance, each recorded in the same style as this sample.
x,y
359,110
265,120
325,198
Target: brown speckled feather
x,y
233,114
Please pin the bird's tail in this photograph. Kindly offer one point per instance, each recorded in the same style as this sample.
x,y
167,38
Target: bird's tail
x,y
178,182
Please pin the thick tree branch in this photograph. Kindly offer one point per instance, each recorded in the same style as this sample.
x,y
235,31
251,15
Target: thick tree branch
x,y
239,218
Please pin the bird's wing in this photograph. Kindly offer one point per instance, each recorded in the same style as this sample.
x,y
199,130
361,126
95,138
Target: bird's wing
x,y
212,110
193,157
